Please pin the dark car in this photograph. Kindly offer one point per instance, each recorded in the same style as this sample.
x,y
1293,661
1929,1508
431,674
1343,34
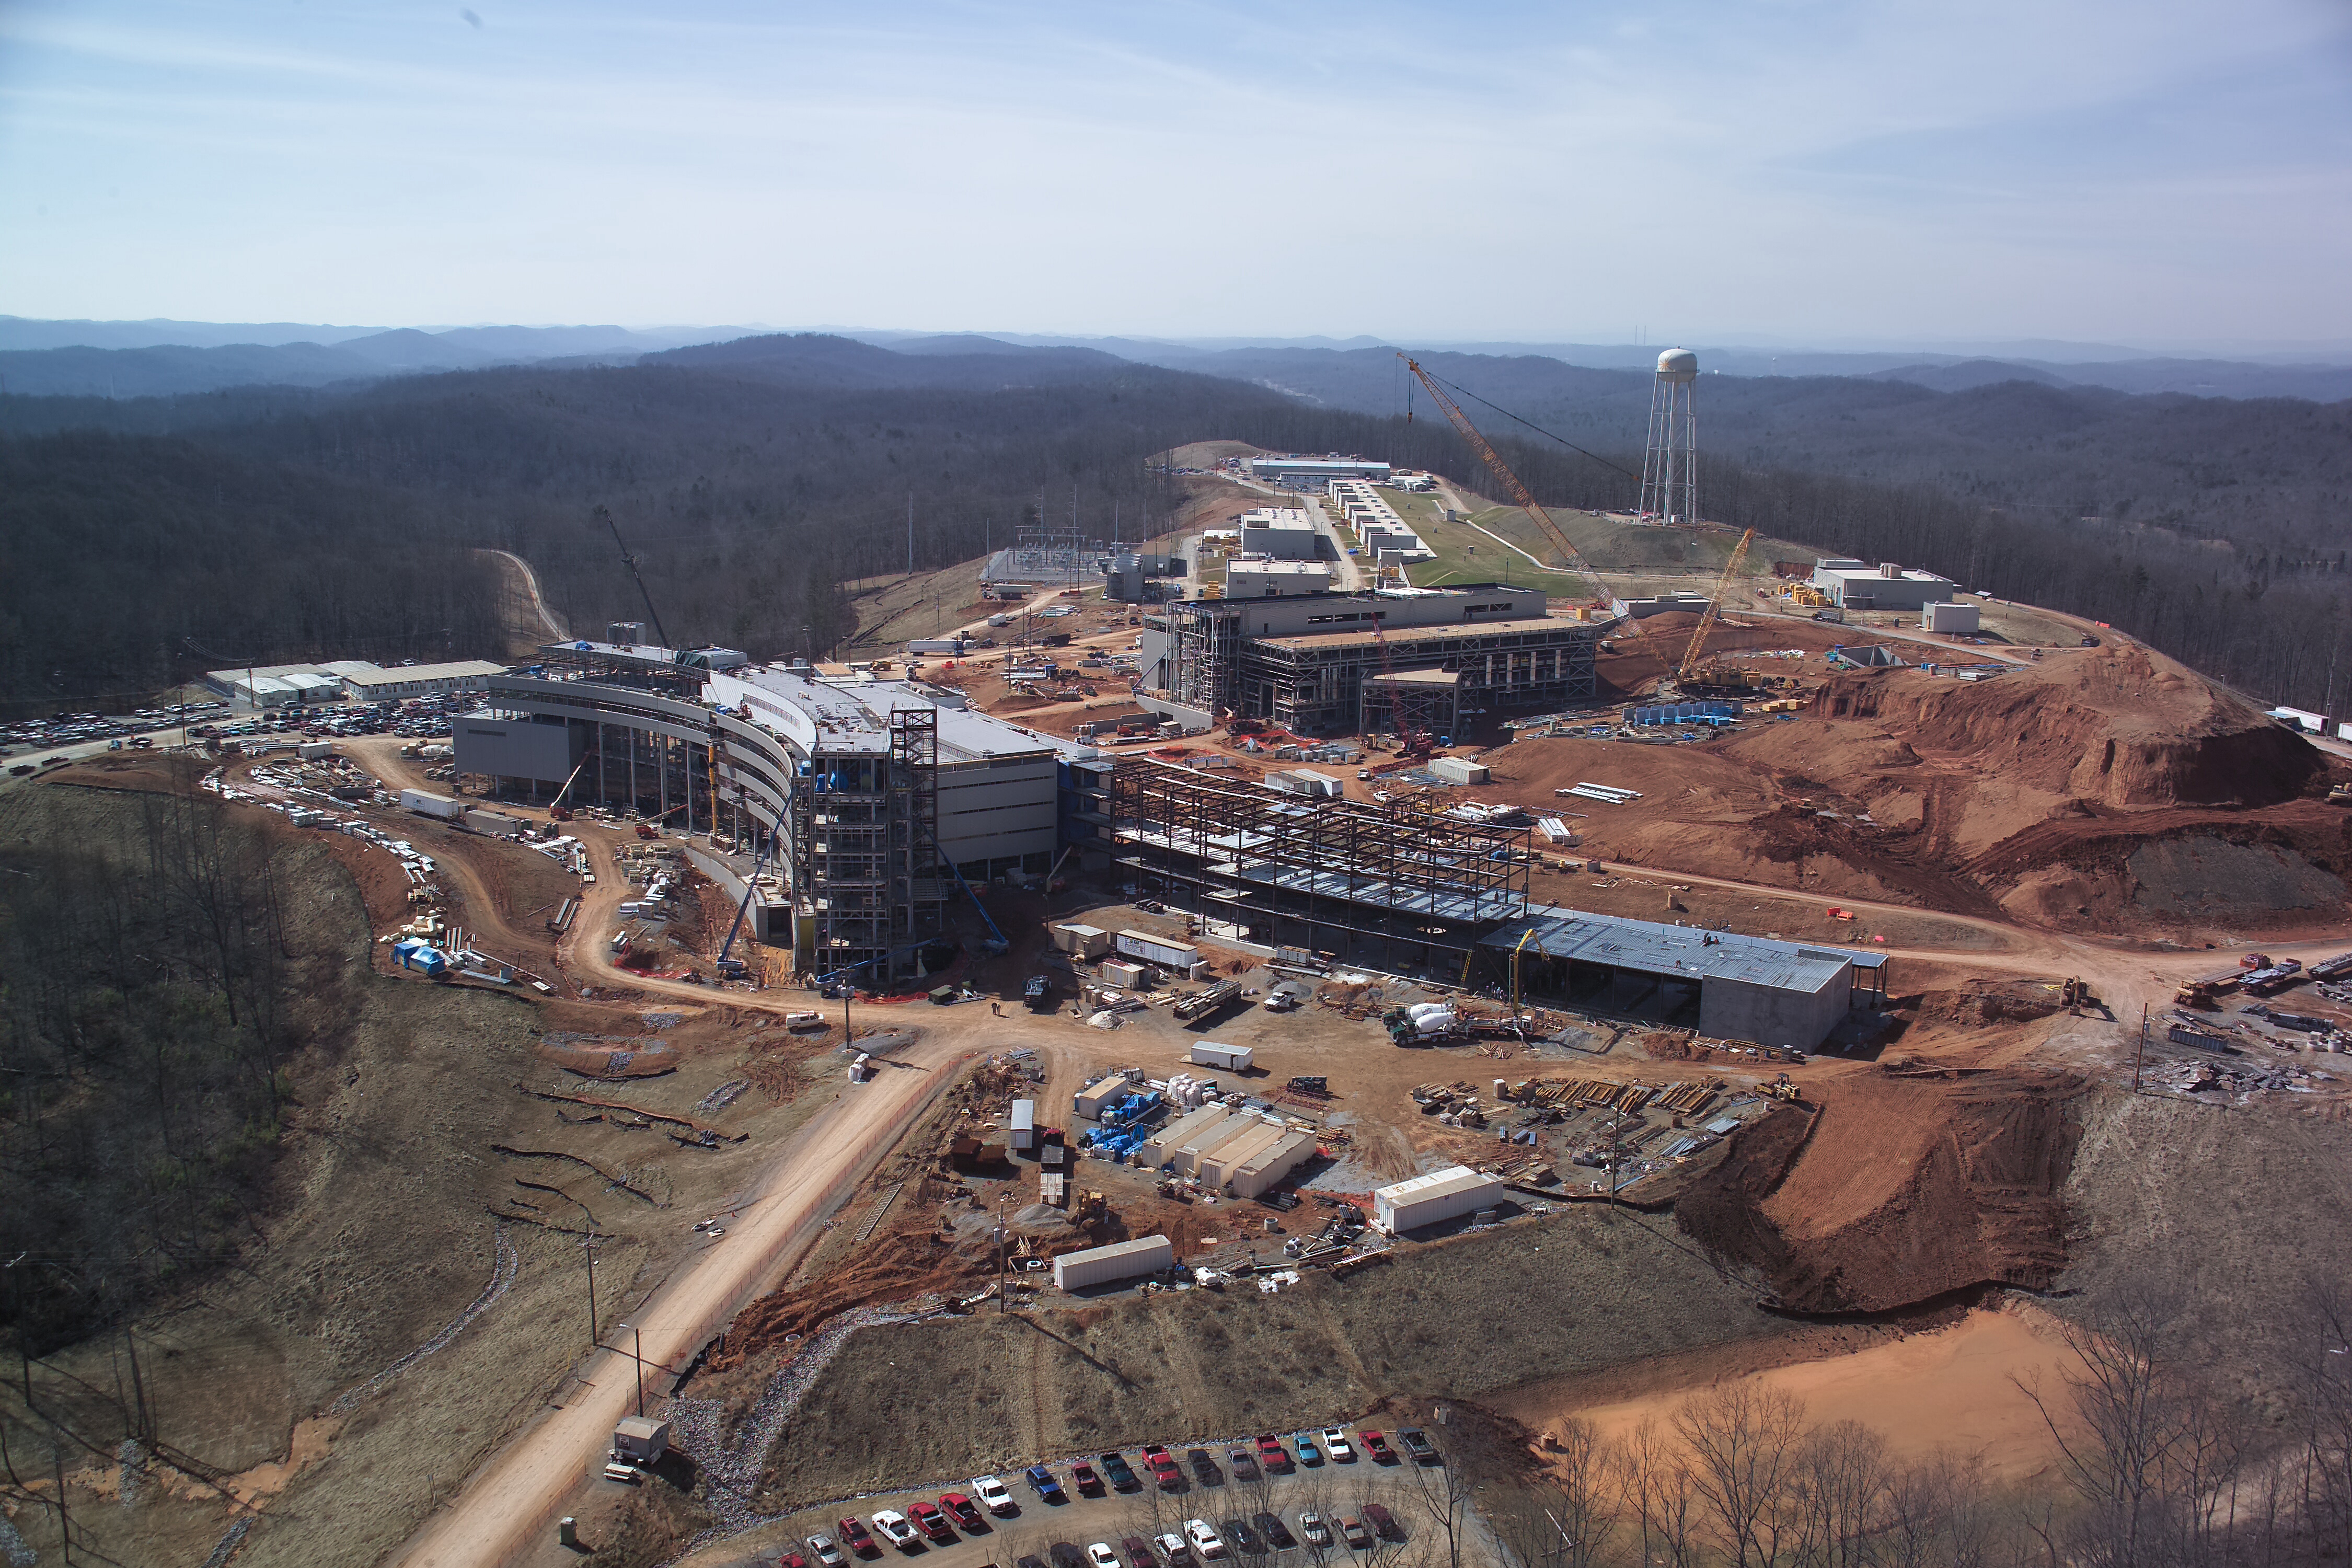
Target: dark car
x,y
1088,1481
1242,1538
1030,1562
1116,1466
1138,1553
1416,1445
1065,1555
1040,1481
1278,1534
1204,1466
1383,1521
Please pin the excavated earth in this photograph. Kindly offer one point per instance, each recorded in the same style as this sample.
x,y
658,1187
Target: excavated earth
x,y
2107,790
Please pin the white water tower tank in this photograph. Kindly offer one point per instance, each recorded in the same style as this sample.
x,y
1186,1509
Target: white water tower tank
x,y
1678,364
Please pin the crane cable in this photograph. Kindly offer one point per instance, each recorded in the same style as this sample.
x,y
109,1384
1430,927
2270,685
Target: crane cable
x,y
1529,424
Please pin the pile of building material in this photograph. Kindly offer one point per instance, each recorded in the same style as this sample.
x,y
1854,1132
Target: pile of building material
x,y
1607,795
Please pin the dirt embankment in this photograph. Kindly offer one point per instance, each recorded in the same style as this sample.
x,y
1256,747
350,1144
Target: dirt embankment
x,y
1902,1185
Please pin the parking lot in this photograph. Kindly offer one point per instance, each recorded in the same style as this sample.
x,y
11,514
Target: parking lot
x,y
1257,1507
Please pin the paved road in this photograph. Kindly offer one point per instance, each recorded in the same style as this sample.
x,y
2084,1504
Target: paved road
x,y
554,627
515,1497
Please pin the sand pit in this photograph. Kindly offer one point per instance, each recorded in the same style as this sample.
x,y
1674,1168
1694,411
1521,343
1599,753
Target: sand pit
x,y
1948,1389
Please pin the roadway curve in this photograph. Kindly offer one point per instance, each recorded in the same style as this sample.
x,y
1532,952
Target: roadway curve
x,y
554,627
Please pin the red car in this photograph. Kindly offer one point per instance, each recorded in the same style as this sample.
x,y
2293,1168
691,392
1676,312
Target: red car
x,y
961,1509
1083,1474
1162,1465
1377,1445
1276,1457
854,1534
791,1559
932,1522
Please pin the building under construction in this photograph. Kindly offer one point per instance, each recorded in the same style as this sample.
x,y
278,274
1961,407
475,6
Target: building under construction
x,y
1399,884
1302,660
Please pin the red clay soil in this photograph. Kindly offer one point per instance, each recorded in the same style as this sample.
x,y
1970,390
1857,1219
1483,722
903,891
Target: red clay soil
x,y
1898,1188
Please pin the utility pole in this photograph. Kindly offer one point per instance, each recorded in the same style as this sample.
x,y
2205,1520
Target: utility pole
x,y
588,1246
2141,1053
910,533
1000,1255
638,1358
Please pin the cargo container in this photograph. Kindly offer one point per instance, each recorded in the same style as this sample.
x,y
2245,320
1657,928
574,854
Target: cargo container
x,y
1120,1260
1459,770
425,803
1165,1143
1082,942
1233,1059
1022,1128
309,751
1129,974
1156,949
496,825
1217,1167
1431,1199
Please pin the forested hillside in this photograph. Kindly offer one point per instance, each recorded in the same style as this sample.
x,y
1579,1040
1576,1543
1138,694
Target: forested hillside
x,y
756,476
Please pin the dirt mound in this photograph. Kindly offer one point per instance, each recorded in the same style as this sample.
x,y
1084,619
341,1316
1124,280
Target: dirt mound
x,y
1981,1002
1898,1190
895,1267
2120,726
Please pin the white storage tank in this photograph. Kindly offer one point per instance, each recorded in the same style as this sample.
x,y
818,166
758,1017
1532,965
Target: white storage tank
x,y
1429,1200
1232,1058
1119,1260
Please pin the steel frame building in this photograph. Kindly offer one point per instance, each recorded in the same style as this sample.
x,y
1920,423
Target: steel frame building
x,y
1394,882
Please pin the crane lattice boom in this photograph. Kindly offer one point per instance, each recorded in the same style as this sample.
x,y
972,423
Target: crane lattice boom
x,y
1714,608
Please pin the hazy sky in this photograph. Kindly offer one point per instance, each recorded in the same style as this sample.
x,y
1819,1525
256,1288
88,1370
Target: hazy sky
x,y
2138,171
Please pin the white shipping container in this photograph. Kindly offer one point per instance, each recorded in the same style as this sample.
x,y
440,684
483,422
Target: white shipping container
x,y
1459,770
1022,1130
1271,1165
1120,1260
1082,941
425,803
1233,1059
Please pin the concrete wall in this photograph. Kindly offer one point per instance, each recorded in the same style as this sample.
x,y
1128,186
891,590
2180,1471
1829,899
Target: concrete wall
x,y
516,748
997,809
1282,543
1773,1015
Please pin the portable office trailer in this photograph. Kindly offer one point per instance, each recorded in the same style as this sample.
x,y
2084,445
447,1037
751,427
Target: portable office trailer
x,y
1165,1143
640,1439
1458,770
1187,1158
1437,1196
425,803
1082,942
1217,1168
1119,1260
1960,620
1156,949
1024,1127
1129,974
1233,1059
1089,1102
1269,1165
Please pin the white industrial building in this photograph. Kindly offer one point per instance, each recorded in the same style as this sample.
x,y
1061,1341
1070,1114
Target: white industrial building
x,y
1858,586
1272,579
1279,533
1108,1265
408,680
286,684
1240,1153
1434,1199
1955,620
1313,473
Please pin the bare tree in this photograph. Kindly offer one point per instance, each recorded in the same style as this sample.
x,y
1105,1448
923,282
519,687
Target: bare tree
x,y
1655,1478
1440,1495
1743,1442
1839,1493
1573,1521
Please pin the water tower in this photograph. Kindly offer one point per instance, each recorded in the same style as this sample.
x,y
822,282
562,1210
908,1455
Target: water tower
x,y
1670,469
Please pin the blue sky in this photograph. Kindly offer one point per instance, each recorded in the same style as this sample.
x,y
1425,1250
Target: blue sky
x,y
2154,173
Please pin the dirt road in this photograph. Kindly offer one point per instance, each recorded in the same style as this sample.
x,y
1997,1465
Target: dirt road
x,y
516,1496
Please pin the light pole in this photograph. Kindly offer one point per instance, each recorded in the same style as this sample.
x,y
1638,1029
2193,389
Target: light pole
x,y
638,1358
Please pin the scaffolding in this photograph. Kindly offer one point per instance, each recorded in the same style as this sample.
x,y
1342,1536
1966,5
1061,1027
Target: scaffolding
x,y
1393,882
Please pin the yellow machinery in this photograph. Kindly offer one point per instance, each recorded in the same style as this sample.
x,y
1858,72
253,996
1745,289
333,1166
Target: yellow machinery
x,y
1714,608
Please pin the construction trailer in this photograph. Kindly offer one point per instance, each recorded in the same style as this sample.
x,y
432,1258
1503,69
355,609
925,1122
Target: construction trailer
x,y
1162,1149
1021,1131
1233,1059
1120,1260
1270,1165
1205,1143
1434,1199
1232,1154
1082,941
1395,883
640,1440
1182,957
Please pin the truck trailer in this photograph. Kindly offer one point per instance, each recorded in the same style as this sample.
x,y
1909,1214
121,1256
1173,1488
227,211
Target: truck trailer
x,y
425,803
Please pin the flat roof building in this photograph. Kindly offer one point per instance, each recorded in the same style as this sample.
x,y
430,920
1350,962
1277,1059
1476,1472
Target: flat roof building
x,y
1313,473
1284,533
1858,586
1274,579
1434,1199
421,680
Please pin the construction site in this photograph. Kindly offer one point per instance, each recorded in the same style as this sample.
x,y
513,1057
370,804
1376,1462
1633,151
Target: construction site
x,y
752,1093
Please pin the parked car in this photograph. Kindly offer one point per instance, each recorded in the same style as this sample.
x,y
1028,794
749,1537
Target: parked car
x,y
1278,1534
1308,1454
932,1521
1382,1521
1276,1456
1204,1468
1040,1481
1162,1465
826,1553
1083,1474
1335,1442
1245,1540
1065,1555
960,1508
791,1559
1244,1463
1352,1531
856,1536
1100,1555
895,1528
1139,1552
993,1495
1172,1548
1116,1466
1377,1444
1311,1526
1417,1446
1203,1539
